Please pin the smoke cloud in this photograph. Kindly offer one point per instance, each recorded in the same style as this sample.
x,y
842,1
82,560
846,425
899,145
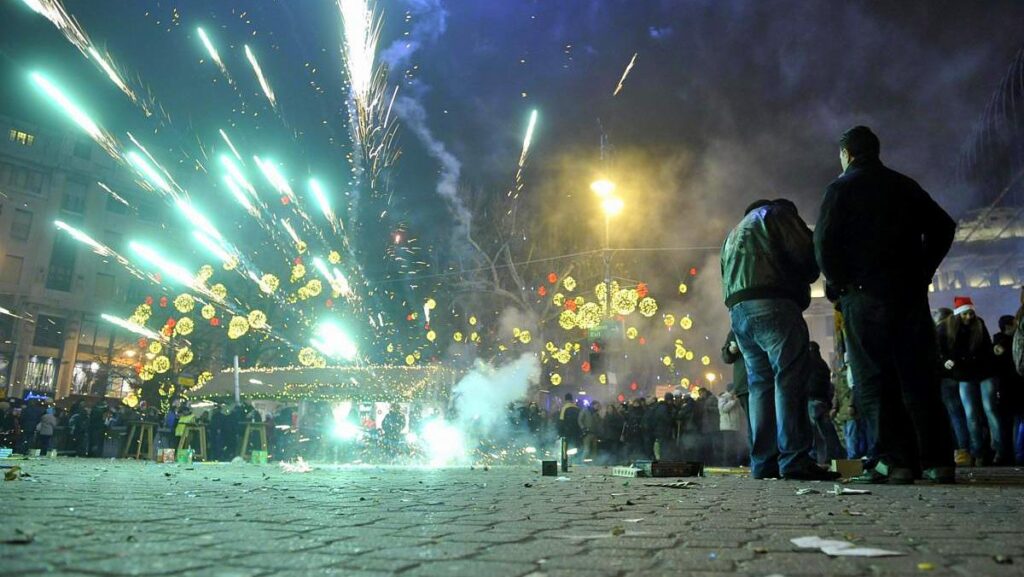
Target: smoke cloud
x,y
483,395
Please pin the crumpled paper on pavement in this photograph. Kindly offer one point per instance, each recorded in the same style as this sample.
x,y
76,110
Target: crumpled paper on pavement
x,y
835,548
299,466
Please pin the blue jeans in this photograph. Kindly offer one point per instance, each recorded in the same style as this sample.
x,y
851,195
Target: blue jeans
x,y
980,405
955,409
856,445
773,338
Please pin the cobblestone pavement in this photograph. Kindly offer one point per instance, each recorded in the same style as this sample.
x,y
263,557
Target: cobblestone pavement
x,y
93,517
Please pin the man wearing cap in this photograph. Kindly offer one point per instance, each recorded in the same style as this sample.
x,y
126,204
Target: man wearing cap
x,y
967,357
879,240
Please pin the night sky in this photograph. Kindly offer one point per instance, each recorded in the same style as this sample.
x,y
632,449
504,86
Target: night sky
x,y
729,100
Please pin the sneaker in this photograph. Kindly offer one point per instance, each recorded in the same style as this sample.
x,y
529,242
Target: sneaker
x,y
962,458
940,475
896,475
811,474
869,477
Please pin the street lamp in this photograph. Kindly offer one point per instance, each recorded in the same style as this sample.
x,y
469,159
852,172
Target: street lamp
x,y
611,206
603,187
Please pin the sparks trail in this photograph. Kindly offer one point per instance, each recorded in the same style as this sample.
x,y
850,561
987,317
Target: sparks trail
x,y
622,80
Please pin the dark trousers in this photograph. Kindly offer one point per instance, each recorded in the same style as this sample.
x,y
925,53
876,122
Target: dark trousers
x,y
892,349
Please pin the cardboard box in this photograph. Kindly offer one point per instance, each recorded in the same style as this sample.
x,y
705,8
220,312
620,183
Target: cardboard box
x,y
847,467
549,468
627,472
185,456
165,456
259,457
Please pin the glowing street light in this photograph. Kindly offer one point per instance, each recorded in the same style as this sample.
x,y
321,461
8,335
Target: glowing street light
x,y
603,187
612,206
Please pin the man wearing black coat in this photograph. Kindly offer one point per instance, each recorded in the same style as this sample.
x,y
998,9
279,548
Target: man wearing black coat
x,y
879,240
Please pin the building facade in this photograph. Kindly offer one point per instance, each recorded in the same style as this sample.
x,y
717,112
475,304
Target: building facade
x,y
52,288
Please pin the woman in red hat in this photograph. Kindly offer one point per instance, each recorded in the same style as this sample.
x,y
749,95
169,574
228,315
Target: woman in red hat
x,y
967,357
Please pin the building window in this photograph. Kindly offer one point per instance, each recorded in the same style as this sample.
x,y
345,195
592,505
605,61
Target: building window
x,y
41,374
74,197
105,286
62,263
116,206
49,332
11,273
22,138
85,376
20,177
21,225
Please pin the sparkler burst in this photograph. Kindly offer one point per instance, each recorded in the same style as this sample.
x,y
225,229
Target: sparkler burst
x,y
622,80
264,84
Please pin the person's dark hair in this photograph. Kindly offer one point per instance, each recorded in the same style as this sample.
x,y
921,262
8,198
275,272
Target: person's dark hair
x,y
756,205
859,141
568,396
942,313
669,396
785,202
1005,321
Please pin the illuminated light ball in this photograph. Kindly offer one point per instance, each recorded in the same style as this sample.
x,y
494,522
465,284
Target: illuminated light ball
x,y
231,263
431,304
579,301
624,301
457,336
567,320
142,342
472,321
600,291
171,322
556,379
648,306
633,386
562,357
208,311
184,327
307,356
329,303
205,272
417,355
685,382
285,200
558,299
576,347
320,363
410,360
686,322
184,356
431,336
683,288
257,319
237,327
314,286
214,322
155,347
550,347
204,377
334,257
667,361
569,284
220,291
621,398
680,353
301,247
689,355
585,367
269,283
163,302
161,364
391,347
298,271
542,290
571,305
130,400
525,337
705,360
515,332
303,293
603,379
588,316
148,300
184,303
632,333
145,310
552,278
146,374
642,290
693,271
474,337
670,320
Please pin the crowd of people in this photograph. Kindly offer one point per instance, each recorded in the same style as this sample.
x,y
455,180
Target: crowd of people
x,y
906,388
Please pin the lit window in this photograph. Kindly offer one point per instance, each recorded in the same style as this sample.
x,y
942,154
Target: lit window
x,y
22,138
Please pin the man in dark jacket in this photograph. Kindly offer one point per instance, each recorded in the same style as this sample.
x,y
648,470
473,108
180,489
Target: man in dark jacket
x,y
569,423
1011,388
767,269
879,240
663,428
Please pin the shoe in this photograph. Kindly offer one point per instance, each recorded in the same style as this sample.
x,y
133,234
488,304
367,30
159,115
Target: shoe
x,y
896,475
869,477
940,475
962,458
811,474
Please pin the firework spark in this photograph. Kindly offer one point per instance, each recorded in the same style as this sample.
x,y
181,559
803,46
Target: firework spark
x,y
214,55
528,139
267,90
132,327
76,114
629,67
97,247
224,135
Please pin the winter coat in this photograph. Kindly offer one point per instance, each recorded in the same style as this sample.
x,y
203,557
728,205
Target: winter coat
x,y
589,421
770,254
969,347
730,413
568,422
739,367
709,405
46,426
880,232
663,422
